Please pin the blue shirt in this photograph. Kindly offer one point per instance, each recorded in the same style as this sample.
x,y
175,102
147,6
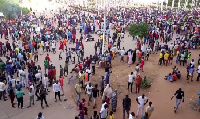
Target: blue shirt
x,y
107,78
9,68
30,77
170,78
109,59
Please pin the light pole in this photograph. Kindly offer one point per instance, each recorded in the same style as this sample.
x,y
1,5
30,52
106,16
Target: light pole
x,y
104,28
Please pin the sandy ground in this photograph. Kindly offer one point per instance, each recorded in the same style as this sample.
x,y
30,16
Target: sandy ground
x,y
160,92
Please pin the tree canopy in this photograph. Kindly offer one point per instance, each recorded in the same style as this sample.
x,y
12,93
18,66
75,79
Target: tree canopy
x,y
10,8
139,29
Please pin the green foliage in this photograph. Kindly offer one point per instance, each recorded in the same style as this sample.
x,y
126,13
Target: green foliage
x,y
145,83
11,8
139,29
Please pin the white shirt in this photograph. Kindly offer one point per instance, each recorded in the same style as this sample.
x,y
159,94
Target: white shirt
x,y
2,86
47,43
130,78
122,52
53,45
38,76
130,116
89,89
13,81
33,89
103,113
192,63
46,81
56,87
142,101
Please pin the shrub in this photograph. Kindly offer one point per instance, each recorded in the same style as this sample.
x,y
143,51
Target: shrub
x,y
145,83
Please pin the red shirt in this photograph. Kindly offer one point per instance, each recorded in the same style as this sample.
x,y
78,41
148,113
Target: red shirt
x,y
80,66
61,81
138,80
48,58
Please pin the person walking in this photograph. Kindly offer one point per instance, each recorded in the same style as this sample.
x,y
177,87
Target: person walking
x,y
11,94
179,96
19,95
138,83
104,112
88,91
130,81
61,84
43,94
149,109
141,100
114,101
198,71
126,105
56,90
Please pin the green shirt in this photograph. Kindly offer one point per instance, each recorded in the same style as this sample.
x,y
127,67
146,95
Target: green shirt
x,y
2,66
186,54
19,94
46,63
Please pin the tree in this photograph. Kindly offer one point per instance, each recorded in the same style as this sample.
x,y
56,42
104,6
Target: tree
x,y
139,29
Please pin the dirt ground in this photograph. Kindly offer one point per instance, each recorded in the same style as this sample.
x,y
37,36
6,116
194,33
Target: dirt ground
x,y
159,93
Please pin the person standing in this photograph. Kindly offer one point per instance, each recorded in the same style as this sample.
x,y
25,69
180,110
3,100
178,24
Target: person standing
x,y
66,68
88,90
141,100
46,65
130,81
19,95
31,97
43,94
126,105
114,101
46,82
93,66
2,88
104,112
95,93
179,96
149,109
138,83
56,90
61,84
78,92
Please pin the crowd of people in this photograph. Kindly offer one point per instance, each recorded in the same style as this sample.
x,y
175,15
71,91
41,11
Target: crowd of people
x,y
24,44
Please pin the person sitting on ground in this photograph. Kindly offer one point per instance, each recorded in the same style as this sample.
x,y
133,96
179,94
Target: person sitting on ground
x,y
174,76
169,77
179,75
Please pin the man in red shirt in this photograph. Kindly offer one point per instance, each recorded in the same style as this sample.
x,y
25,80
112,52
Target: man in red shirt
x,y
138,83
61,84
48,58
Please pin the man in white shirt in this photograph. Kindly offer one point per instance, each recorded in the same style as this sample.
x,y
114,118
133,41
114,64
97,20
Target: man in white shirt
x,y
141,100
46,82
122,52
130,81
13,82
56,90
88,90
53,45
2,88
104,112
47,46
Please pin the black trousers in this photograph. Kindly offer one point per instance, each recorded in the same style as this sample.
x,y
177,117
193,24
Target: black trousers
x,y
182,61
93,69
130,84
198,76
43,98
20,102
57,93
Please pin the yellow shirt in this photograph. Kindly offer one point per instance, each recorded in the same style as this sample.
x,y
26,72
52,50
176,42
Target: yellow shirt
x,y
81,77
166,56
177,53
101,37
78,88
40,45
31,55
161,55
17,49
111,117
119,34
